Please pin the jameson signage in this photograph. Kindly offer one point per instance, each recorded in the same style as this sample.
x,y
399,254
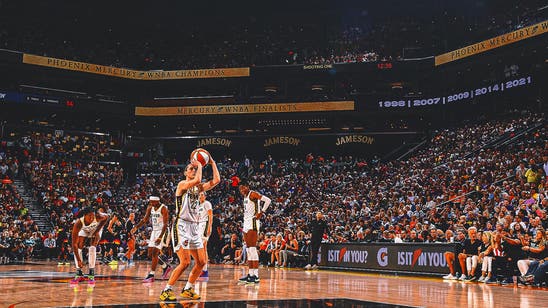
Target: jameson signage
x,y
245,109
492,43
135,74
342,140
389,257
281,140
214,141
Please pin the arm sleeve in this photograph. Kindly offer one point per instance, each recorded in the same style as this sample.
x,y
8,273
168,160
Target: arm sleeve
x,y
266,201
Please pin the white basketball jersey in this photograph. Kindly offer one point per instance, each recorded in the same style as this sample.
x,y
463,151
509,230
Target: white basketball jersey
x,y
251,208
188,205
157,219
91,228
204,208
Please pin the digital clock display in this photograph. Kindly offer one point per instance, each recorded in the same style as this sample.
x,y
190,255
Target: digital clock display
x,y
384,65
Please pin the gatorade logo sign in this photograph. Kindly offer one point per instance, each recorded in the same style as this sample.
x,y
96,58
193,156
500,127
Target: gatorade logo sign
x,y
382,256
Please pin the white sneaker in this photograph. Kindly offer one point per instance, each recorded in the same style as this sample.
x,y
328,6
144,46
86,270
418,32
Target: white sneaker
x,y
449,277
307,267
314,267
481,279
462,277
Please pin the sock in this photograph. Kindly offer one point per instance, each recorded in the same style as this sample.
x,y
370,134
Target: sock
x,y
91,272
254,272
79,272
205,268
168,287
151,273
189,286
92,256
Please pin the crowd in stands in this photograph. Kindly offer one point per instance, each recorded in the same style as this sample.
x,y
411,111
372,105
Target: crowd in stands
x,y
19,235
461,179
248,41
64,174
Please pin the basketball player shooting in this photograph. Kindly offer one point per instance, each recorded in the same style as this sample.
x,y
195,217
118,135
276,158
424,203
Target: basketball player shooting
x,y
252,213
186,238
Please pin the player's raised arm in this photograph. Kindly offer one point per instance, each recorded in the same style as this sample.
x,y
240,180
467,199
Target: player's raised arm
x,y
216,177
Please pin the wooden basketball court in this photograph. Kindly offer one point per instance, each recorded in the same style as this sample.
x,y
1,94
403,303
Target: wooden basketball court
x,y
47,285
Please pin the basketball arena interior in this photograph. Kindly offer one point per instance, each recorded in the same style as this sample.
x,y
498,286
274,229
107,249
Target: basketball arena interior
x,y
355,153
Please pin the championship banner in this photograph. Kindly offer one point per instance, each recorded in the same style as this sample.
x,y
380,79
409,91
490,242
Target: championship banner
x,y
388,257
244,109
496,42
134,74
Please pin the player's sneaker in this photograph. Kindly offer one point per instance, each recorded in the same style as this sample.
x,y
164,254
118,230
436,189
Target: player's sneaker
x,y
91,279
113,262
204,276
77,279
257,279
251,280
244,279
167,271
149,278
450,277
190,294
168,296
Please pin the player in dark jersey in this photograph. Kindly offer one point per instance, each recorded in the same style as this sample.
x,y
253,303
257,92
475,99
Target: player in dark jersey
x,y
130,238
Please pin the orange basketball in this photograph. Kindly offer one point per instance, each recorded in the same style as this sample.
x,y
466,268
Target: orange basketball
x,y
201,156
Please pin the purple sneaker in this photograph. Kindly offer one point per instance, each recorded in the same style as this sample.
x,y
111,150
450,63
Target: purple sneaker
x,y
204,276
167,271
148,279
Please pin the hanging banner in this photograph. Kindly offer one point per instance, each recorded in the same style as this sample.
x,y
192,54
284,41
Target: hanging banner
x,y
492,43
244,109
135,74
